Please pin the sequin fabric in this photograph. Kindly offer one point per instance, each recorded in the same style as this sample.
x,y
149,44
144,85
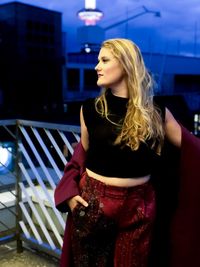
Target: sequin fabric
x,y
115,229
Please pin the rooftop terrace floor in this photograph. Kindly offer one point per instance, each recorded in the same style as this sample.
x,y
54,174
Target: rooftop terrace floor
x,y
28,258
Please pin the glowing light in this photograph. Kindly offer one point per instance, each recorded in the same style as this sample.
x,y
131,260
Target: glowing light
x,y
90,4
5,158
90,17
4,155
87,48
90,14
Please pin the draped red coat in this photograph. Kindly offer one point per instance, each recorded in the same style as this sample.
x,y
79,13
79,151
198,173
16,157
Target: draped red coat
x,y
177,228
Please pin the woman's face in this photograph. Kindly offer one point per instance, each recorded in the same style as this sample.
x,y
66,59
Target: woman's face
x,y
109,70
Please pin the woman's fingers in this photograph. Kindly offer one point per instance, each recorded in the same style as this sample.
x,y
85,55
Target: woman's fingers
x,y
81,201
72,202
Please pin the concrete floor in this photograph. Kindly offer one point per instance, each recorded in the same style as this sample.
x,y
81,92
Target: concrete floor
x,y
28,258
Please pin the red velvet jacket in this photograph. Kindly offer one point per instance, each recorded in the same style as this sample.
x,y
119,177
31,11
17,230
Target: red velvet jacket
x,y
66,189
185,226
177,231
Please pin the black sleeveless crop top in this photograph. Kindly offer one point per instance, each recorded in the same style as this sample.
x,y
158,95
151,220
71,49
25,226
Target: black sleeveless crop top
x,y
107,159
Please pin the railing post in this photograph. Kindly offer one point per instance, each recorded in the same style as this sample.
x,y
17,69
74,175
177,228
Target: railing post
x,y
18,190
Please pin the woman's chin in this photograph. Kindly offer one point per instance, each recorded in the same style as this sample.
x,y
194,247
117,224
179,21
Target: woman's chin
x,y
100,84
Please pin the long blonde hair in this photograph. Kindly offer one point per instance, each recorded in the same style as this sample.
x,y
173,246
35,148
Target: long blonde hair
x,y
143,120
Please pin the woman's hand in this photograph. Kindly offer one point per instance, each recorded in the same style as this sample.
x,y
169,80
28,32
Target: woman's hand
x,y
72,202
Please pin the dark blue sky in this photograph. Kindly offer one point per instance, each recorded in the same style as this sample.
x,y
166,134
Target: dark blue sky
x,y
177,31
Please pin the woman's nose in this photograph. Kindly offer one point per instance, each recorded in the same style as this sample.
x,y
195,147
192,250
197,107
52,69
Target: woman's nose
x,y
97,66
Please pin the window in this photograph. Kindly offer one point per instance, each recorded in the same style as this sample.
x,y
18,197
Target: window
x,y
187,83
73,79
90,80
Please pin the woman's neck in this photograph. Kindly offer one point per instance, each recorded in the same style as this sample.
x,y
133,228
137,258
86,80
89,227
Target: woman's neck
x,y
120,92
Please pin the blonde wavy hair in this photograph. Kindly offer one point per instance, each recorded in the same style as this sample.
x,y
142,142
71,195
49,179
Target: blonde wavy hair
x,y
143,120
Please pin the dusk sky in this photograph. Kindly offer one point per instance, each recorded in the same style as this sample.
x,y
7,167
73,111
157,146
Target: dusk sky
x,y
176,31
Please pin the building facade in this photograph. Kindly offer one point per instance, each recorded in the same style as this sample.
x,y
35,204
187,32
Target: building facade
x,y
174,75
177,82
31,59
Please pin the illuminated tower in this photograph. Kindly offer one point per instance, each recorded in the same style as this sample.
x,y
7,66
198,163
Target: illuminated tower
x,y
90,14
90,35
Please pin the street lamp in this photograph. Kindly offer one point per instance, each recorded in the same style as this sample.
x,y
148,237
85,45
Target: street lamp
x,y
145,11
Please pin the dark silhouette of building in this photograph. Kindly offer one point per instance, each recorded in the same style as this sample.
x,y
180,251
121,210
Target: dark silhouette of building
x,y
30,60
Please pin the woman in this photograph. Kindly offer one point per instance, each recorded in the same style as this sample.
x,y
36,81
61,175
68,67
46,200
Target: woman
x,y
122,132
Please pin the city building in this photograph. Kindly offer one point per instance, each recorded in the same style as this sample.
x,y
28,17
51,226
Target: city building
x,y
174,75
36,77
90,35
31,59
177,79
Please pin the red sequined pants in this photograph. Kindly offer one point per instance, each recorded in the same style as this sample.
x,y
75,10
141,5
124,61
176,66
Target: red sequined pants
x,y
115,229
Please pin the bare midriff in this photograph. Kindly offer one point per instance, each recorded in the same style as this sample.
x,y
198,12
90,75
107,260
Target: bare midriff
x,y
117,181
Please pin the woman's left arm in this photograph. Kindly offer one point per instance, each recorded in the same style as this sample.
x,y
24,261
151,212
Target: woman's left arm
x,y
172,129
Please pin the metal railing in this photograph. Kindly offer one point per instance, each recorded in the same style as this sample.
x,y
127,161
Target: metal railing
x,y
38,153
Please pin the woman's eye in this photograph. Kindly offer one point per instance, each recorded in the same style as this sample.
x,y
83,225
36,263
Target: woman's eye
x,y
103,60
